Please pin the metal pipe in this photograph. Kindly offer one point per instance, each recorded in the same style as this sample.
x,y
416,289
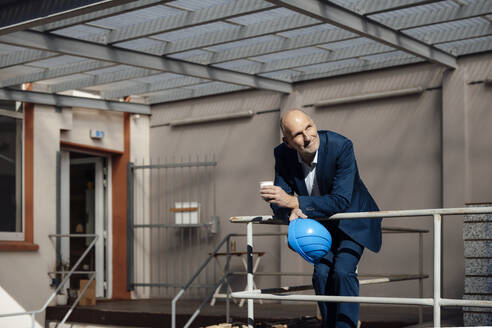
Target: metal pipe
x,y
249,240
374,215
370,96
256,294
175,165
437,270
93,276
205,301
421,272
173,307
227,274
212,118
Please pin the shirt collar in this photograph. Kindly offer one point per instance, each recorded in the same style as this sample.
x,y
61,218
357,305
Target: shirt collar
x,y
313,163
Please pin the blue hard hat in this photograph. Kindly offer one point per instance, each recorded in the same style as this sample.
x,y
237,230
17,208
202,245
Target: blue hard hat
x,y
309,238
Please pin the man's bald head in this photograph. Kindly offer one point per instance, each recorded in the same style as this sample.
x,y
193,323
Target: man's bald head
x,y
300,133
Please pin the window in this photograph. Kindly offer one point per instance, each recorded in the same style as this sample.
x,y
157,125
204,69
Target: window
x,y
11,218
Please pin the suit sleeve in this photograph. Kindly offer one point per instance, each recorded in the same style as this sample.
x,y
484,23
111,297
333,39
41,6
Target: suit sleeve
x,y
343,184
281,213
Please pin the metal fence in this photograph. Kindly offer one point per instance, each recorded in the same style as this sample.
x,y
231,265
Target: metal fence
x,y
436,301
171,216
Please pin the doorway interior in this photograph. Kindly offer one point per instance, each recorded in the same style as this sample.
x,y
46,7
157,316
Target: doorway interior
x,y
85,180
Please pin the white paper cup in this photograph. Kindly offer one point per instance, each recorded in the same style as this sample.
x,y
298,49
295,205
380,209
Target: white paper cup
x,y
266,183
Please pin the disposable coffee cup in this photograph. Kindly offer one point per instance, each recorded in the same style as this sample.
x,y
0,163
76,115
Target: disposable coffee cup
x,y
264,184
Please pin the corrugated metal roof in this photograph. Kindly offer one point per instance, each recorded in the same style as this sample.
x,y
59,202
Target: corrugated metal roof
x,y
253,37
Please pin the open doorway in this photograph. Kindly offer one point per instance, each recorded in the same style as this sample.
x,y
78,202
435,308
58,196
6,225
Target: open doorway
x,y
84,186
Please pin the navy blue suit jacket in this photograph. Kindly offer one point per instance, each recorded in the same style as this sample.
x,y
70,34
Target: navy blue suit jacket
x,y
340,186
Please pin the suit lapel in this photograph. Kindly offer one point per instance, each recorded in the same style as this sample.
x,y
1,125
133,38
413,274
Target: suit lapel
x,y
299,180
321,166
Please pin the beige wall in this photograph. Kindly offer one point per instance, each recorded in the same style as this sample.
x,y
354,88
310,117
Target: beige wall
x,y
25,279
79,122
406,149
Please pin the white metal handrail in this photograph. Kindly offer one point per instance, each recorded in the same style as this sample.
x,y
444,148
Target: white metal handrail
x,y
63,282
436,301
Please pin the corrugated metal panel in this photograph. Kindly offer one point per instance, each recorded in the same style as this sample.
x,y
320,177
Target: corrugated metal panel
x,y
57,61
193,31
194,5
137,16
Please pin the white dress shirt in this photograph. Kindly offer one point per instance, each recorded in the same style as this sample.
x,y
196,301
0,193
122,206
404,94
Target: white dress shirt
x,y
310,175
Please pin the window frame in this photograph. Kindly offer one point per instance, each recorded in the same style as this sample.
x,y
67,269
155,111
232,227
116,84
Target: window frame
x,y
17,236
27,242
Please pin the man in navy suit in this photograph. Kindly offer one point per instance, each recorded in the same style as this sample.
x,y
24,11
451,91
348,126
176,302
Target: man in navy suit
x,y
316,176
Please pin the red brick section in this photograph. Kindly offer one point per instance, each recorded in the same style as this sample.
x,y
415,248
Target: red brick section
x,y
28,243
120,163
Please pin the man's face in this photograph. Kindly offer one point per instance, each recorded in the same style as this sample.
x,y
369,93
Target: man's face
x,y
301,134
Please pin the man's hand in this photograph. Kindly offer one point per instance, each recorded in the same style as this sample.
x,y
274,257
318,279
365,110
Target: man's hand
x,y
296,213
276,195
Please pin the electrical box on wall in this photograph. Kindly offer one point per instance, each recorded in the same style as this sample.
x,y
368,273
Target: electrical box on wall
x,y
186,213
97,134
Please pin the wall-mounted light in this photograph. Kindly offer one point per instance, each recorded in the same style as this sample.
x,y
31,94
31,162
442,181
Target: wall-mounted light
x,y
97,134
369,96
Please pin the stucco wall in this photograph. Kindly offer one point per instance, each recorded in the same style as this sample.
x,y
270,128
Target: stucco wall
x,y
25,279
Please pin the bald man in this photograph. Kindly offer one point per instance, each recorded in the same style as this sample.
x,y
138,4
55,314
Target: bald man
x,y
316,176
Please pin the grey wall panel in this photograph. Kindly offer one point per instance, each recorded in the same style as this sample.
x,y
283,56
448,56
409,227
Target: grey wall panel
x,y
479,146
244,152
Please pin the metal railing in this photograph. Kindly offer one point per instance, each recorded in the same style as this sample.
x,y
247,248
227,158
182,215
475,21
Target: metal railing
x,y
227,273
436,301
63,282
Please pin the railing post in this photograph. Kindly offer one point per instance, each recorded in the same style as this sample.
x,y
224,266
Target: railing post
x,y
437,270
421,273
227,271
249,238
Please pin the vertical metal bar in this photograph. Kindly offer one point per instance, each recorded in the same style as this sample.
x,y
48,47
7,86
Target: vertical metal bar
x,y
421,272
151,229
33,317
159,230
58,210
129,225
227,272
166,220
437,270
190,231
249,233
181,231
173,204
199,200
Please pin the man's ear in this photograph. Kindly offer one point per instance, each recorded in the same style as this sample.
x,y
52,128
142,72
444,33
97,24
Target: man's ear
x,y
284,139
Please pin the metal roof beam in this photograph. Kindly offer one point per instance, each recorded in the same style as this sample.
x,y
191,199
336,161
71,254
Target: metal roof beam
x,y
23,56
377,7
80,19
277,25
54,72
368,48
187,19
430,15
98,79
68,46
20,15
183,94
71,101
312,39
152,87
346,19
